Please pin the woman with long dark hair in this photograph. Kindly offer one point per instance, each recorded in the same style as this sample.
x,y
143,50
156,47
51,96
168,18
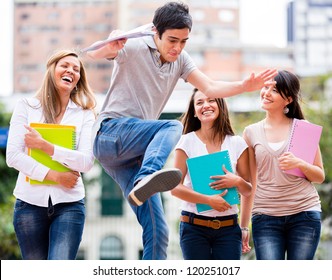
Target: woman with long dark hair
x,y
207,129
286,211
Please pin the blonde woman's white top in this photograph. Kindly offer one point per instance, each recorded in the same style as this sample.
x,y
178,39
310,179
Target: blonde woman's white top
x,y
81,159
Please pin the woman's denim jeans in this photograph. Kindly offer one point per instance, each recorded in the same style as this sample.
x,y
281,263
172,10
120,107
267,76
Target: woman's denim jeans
x,y
294,237
129,149
203,243
52,232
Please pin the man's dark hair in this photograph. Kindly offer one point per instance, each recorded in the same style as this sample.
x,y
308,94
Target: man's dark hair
x,y
172,15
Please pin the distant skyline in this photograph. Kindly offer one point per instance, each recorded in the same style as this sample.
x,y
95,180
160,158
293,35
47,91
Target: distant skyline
x,y
262,22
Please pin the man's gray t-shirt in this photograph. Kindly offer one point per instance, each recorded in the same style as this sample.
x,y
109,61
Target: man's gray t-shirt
x,y
140,84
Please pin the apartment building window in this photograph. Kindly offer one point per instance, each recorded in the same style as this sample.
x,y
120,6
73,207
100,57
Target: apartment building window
x,y
24,80
25,16
111,248
79,15
25,41
53,16
109,15
78,41
226,16
54,41
111,196
170,116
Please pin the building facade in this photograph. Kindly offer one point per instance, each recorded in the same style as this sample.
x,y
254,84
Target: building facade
x,y
41,27
310,33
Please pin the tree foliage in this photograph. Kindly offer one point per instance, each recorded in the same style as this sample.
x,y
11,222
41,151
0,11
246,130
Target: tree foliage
x,y
319,111
8,244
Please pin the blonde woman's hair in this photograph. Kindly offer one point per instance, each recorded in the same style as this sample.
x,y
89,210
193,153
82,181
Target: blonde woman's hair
x,y
48,95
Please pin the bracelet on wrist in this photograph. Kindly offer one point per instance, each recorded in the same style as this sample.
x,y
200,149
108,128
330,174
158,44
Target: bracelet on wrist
x,y
245,229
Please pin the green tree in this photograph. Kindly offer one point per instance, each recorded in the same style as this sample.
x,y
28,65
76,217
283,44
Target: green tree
x,y
319,110
8,245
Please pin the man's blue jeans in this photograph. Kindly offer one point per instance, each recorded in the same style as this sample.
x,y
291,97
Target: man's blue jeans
x,y
129,149
295,236
52,232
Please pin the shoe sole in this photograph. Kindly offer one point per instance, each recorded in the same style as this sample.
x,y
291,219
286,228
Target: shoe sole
x,y
162,182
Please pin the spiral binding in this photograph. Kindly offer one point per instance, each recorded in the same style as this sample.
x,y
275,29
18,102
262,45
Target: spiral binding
x,y
229,161
290,144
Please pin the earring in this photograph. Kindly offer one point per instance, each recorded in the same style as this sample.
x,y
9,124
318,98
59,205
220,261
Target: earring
x,y
195,116
76,87
286,110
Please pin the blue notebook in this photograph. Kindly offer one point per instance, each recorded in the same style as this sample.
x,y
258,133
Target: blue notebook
x,y
201,168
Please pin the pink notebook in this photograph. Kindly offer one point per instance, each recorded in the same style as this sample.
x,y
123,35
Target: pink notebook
x,y
303,143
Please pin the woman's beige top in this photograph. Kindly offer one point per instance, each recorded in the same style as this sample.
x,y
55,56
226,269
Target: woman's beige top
x,y
277,193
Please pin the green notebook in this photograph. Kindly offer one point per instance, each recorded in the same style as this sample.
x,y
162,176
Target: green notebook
x,y
60,135
201,168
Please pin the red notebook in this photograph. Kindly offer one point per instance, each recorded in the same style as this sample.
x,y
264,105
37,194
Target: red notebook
x,y
303,143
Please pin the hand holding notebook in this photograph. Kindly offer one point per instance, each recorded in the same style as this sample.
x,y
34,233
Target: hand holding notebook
x,y
303,143
61,135
202,168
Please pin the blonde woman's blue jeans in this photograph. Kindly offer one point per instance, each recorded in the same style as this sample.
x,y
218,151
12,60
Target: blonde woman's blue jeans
x,y
49,233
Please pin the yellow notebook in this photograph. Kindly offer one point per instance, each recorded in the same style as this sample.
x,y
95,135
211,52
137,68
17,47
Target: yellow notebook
x,y
60,135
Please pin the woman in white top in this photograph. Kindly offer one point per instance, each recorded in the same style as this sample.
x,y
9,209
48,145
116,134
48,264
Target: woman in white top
x,y
213,234
49,219
286,222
